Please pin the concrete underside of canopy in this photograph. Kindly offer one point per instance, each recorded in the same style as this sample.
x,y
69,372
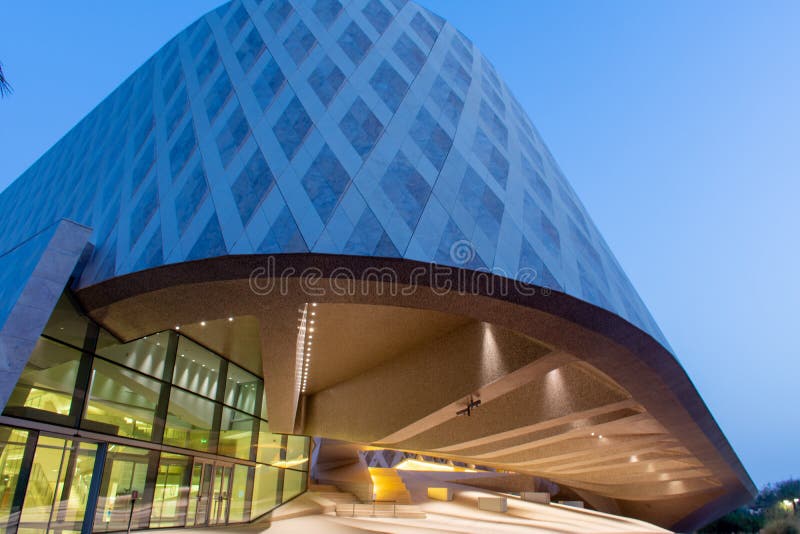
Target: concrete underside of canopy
x,y
397,352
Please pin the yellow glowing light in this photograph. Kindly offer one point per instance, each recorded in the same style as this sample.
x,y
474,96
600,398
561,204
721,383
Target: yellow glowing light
x,y
411,464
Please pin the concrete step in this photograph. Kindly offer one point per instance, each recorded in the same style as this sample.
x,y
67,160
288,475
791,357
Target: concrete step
x,y
389,486
401,511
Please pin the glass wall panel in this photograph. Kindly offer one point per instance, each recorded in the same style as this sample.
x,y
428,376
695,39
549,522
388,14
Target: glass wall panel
x,y
171,500
196,368
294,483
47,382
242,389
124,472
238,512
121,402
146,355
189,421
66,324
269,445
58,487
265,490
297,452
236,434
12,448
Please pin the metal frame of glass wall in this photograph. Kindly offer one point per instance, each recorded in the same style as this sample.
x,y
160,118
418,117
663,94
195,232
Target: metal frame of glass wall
x,y
158,432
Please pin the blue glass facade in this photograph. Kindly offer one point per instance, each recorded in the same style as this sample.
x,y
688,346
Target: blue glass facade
x,y
364,127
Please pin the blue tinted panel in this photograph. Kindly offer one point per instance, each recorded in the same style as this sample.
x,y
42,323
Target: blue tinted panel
x,y
361,127
495,124
327,11
237,20
252,185
267,85
370,239
389,85
491,157
354,42
409,53
230,139
406,188
251,49
292,127
277,13
283,236
456,73
207,64
218,95
424,29
143,211
449,102
431,138
481,203
182,149
325,182
300,42
377,15
326,80
210,243
143,165
190,197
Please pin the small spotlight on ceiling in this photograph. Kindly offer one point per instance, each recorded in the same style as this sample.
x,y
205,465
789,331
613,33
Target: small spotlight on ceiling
x,y
230,319
177,327
600,436
314,304
202,323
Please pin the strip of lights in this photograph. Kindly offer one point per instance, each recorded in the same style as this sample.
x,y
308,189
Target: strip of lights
x,y
305,340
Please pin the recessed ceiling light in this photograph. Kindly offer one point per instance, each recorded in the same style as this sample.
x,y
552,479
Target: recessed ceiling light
x,y
313,303
202,323
177,327
230,319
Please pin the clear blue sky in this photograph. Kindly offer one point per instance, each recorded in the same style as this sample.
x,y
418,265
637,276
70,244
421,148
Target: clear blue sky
x,y
677,122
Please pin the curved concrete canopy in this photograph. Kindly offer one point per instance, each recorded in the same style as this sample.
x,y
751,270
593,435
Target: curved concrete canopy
x,y
554,374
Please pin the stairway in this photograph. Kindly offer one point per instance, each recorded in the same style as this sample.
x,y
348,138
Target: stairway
x,y
388,486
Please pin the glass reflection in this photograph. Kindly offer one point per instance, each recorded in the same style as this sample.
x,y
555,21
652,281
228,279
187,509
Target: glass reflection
x,y
242,389
124,473
146,355
236,434
196,368
171,498
47,381
12,449
121,402
189,421
58,487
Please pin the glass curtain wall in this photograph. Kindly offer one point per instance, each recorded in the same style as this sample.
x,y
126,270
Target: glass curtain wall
x,y
161,390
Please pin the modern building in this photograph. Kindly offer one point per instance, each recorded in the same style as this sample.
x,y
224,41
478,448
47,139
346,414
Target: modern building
x,y
324,218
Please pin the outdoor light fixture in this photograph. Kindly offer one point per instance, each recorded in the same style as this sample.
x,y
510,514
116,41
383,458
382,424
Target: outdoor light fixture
x,y
470,406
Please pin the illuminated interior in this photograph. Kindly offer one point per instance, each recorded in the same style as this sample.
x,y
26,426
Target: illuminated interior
x,y
110,410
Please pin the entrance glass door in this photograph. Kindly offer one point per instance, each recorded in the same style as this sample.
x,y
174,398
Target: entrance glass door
x,y
210,493
58,488
221,495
